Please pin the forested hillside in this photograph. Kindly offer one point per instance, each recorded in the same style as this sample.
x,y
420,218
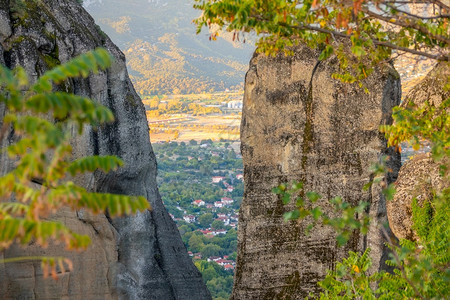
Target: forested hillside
x,y
164,55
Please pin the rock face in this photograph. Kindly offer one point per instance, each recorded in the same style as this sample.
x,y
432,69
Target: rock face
x,y
431,88
299,124
418,178
139,257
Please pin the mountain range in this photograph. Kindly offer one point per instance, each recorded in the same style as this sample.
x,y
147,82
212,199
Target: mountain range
x,y
164,53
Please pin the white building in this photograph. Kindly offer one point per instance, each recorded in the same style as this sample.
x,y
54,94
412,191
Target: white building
x,y
189,218
227,201
235,104
217,179
198,202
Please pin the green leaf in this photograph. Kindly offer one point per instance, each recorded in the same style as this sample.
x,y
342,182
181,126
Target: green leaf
x,y
77,67
313,196
291,215
297,186
276,190
367,186
286,198
316,213
92,163
326,53
341,239
389,192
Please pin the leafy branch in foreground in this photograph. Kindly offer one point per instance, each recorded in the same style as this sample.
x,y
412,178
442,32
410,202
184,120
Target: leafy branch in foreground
x,y
417,124
41,181
345,222
421,268
372,30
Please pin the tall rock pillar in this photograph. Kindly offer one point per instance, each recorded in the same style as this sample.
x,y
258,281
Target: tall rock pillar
x,y
299,124
138,257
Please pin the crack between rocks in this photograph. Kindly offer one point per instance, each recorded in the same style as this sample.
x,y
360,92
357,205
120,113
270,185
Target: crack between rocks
x,y
367,211
35,284
309,128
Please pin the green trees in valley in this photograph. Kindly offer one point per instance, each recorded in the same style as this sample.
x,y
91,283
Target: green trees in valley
x,y
206,219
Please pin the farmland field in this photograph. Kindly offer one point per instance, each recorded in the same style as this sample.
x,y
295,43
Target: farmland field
x,y
187,117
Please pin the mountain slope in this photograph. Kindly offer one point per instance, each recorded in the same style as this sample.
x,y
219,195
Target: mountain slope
x,y
163,51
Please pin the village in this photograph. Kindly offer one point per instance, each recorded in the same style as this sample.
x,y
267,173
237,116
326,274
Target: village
x,y
226,221
201,185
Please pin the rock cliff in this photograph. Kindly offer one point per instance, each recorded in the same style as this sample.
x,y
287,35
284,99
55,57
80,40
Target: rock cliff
x,y
431,88
299,124
420,176
139,257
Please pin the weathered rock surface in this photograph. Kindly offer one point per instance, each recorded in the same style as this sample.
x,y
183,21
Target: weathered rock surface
x,y
299,124
418,178
431,88
139,257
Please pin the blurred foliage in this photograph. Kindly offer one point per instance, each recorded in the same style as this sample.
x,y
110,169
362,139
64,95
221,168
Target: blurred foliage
x,y
345,222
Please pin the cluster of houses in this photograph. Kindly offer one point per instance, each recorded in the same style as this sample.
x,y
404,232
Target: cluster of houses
x,y
228,188
225,201
217,179
228,220
189,218
226,263
212,232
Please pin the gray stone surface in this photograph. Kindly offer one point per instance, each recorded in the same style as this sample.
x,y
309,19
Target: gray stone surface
x,y
299,124
431,88
139,257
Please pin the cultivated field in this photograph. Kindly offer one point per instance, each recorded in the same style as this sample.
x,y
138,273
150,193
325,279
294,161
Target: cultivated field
x,y
185,127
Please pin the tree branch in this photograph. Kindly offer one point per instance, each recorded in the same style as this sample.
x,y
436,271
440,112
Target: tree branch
x,y
375,41
399,262
440,4
437,2
415,16
402,24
